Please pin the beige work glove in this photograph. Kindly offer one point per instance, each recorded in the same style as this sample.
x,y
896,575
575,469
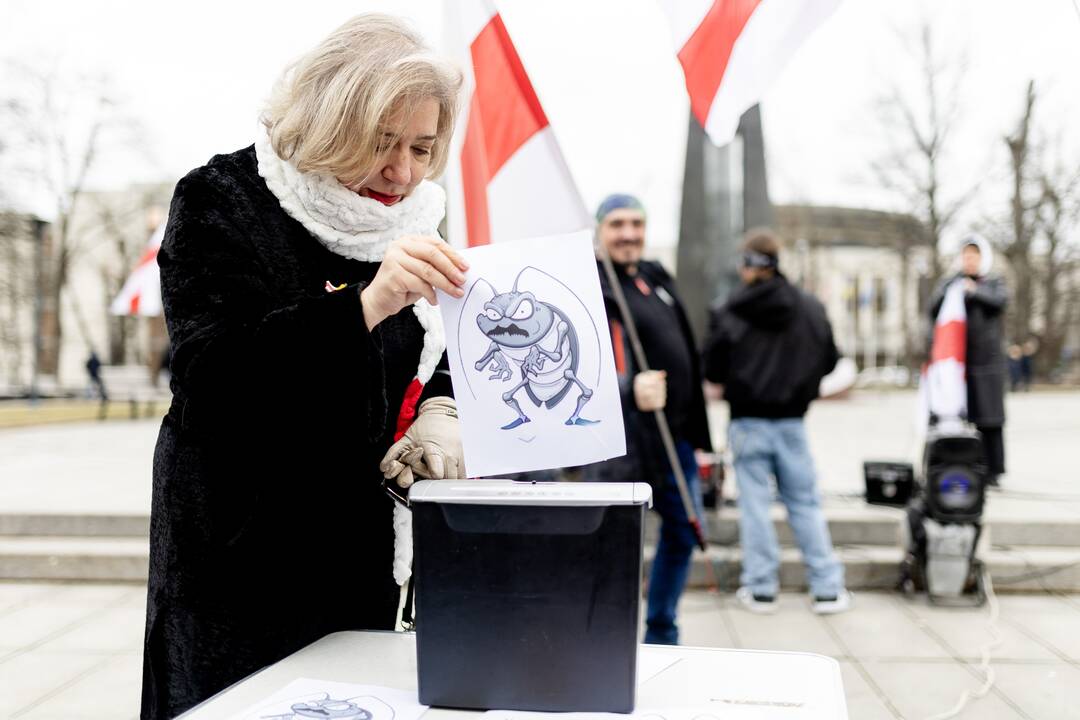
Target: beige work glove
x,y
650,390
430,448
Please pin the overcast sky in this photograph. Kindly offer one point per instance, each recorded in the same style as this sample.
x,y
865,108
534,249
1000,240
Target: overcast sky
x,y
195,75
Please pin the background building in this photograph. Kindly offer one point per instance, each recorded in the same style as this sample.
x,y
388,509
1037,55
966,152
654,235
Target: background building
x,y
871,270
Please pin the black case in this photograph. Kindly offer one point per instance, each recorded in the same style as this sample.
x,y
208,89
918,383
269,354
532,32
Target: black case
x,y
888,483
525,606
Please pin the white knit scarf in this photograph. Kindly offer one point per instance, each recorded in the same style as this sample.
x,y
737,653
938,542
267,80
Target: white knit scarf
x,y
361,228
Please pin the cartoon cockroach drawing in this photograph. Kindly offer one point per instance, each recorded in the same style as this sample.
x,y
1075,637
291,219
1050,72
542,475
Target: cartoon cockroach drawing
x,y
537,342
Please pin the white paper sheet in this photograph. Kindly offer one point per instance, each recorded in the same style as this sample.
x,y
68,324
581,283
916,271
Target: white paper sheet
x,y
651,662
306,698
531,358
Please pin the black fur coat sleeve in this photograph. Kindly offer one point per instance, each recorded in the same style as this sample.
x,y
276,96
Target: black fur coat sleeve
x,y
269,527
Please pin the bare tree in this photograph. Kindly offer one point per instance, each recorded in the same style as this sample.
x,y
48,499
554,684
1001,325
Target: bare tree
x,y
66,125
922,124
1060,267
1037,237
1024,209
920,119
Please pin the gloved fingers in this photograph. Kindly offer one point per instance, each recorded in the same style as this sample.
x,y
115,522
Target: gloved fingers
x,y
391,469
395,453
405,478
453,468
434,460
436,464
416,460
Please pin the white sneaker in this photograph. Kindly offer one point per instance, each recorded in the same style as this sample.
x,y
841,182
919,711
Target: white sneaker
x,y
833,605
760,604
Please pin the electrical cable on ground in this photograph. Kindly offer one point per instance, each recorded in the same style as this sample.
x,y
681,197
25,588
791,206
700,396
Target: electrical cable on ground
x,y
985,652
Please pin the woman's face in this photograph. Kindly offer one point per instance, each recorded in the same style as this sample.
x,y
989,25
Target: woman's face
x,y
402,166
971,260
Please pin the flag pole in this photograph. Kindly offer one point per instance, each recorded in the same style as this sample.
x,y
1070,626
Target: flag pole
x,y
659,414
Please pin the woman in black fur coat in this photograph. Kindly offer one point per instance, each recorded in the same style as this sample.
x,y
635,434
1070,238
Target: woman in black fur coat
x,y
298,279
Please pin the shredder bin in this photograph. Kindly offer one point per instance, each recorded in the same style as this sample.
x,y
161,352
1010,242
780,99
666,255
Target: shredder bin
x,y
528,594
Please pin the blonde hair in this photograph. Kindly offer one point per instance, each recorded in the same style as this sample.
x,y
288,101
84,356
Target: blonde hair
x,y
327,110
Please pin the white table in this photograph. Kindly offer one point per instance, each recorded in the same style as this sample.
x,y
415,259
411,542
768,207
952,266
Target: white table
x,y
733,684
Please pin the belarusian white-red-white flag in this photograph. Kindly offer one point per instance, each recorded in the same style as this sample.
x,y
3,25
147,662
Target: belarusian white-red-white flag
x,y
507,179
944,382
141,294
731,50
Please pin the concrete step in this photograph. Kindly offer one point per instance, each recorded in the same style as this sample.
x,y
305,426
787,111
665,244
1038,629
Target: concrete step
x,y
74,558
74,525
873,567
848,525
861,524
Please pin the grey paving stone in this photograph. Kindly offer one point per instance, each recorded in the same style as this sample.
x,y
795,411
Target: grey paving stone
x,y
878,628
793,627
919,690
15,594
116,630
862,699
32,623
1043,691
26,679
81,594
700,621
111,692
89,476
966,630
1057,631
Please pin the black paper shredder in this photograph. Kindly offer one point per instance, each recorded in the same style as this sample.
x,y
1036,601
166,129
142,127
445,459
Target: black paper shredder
x,y
528,594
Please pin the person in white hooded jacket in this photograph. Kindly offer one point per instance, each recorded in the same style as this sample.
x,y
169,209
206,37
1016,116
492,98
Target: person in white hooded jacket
x,y
985,298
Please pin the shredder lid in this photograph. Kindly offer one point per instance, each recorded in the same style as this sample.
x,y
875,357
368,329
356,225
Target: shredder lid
x,y
512,492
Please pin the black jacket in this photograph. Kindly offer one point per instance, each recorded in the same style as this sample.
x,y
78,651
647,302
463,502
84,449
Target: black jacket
x,y
985,357
769,345
645,458
269,528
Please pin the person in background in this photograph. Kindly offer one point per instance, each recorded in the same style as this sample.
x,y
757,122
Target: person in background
x,y
673,384
93,369
1027,363
985,297
769,346
1016,369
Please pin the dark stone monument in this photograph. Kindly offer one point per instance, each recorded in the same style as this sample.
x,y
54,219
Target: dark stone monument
x,y
724,192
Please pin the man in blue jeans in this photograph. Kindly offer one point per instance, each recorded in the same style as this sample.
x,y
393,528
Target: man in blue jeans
x,y
673,384
769,345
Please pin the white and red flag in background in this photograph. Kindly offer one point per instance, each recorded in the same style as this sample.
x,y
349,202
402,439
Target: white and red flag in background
x,y
732,50
141,294
508,179
944,383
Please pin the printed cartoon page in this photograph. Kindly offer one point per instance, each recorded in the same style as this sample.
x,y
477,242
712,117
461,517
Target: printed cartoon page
x,y
307,698
531,358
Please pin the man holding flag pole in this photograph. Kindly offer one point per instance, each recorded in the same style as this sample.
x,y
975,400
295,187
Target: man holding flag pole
x,y
663,404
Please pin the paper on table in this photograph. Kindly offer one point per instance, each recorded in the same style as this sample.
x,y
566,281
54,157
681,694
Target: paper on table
x,y
307,698
651,662
531,358
682,713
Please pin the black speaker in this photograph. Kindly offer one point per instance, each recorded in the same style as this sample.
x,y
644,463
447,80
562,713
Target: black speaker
x,y
888,483
954,474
